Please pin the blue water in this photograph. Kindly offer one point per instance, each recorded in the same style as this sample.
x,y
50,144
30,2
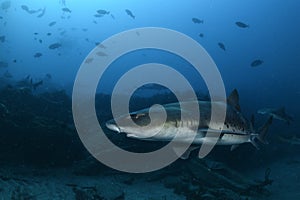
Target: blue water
x,y
272,36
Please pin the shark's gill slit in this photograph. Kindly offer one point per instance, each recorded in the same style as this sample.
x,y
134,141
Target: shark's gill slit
x,y
158,118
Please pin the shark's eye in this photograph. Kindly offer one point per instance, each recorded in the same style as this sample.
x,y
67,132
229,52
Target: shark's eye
x,y
141,119
133,116
137,116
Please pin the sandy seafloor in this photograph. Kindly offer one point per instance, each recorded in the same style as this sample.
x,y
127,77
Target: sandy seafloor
x,y
23,182
30,183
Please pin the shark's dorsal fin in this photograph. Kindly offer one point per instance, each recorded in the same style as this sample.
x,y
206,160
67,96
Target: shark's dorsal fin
x,y
233,100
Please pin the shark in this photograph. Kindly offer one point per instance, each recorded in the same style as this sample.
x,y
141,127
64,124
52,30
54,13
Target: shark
x,y
236,129
278,113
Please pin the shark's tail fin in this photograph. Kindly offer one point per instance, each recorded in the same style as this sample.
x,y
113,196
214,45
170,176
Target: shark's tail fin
x,y
263,131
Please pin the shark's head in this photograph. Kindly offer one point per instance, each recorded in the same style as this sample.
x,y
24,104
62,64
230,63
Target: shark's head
x,y
143,124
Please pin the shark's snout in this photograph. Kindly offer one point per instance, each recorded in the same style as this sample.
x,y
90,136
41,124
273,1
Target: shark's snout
x,y
111,124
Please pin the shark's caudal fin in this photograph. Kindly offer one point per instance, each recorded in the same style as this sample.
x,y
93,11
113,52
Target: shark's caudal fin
x,y
263,131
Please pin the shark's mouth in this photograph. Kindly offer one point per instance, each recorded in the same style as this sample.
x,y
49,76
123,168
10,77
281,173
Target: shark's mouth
x,y
112,126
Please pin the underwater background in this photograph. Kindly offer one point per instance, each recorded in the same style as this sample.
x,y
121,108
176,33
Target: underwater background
x,y
255,45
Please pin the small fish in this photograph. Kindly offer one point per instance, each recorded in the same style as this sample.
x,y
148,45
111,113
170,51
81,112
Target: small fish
x,y
54,46
15,61
201,35
256,63
37,55
84,29
42,13
242,25
66,10
41,41
2,38
130,13
1,17
100,53
49,34
103,12
24,7
112,16
3,64
197,21
89,60
36,33
52,23
222,46
98,15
